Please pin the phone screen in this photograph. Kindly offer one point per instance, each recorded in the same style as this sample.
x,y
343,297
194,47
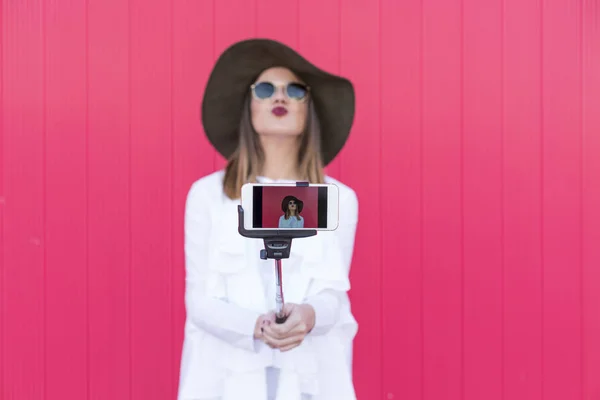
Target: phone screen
x,y
289,207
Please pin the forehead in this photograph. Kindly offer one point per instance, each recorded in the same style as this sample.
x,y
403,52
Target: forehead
x,y
278,75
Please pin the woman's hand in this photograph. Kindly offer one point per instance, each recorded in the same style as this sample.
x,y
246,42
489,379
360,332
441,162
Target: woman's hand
x,y
286,336
261,322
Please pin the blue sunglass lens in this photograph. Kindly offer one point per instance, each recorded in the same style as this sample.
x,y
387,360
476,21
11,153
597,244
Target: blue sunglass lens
x,y
296,91
264,90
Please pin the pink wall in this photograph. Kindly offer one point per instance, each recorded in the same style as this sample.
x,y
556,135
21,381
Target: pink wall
x,y
474,156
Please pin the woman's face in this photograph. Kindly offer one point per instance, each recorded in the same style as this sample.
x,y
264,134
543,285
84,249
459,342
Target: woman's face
x,y
276,108
292,206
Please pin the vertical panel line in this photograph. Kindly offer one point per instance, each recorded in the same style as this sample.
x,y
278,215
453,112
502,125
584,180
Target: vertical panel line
x,y
581,202
87,200
214,30
3,206
130,200
171,197
214,36
502,211
339,8
214,59
421,191
215,152
541,200
462,214
381,220
44,199
340,164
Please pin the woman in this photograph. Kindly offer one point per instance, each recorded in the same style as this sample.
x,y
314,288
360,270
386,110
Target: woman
x,y
291,218
276,118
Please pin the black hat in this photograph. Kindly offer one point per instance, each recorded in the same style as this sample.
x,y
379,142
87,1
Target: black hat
x,y
287,199
238,67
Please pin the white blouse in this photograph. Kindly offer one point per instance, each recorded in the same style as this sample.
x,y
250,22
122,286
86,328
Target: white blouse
x,y
222,306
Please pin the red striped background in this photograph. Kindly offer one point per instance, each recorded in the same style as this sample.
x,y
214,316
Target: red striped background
x,y
474,155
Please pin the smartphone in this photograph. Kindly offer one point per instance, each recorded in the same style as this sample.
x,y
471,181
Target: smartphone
x,y
290,206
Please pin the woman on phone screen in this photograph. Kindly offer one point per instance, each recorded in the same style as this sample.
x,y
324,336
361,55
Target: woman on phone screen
x,y
291,218
276,118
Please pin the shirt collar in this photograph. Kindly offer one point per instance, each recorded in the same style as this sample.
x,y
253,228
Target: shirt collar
x,y
264,179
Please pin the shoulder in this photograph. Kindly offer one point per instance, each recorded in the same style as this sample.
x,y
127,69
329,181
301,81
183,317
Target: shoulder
x,y
210,182
207,189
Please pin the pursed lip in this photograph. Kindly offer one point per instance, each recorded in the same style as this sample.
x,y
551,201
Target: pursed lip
x,y
279,111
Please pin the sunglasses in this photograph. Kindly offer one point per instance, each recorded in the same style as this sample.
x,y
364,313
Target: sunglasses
x,y
294,90
292,203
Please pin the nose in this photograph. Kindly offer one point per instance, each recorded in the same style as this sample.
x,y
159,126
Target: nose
x,y
280,95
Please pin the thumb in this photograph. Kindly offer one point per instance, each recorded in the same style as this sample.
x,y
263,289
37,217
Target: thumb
x,y
270,316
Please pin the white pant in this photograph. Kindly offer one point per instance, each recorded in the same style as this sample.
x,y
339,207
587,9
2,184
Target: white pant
x,y
272,378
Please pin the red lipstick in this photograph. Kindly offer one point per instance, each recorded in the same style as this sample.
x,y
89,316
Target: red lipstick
x,y
279,111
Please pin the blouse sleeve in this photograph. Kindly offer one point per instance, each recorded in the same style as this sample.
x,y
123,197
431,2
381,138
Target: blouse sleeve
x,y
327,302
227,321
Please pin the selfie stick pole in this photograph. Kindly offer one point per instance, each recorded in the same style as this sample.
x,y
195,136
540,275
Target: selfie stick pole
x,y
278,244
279,292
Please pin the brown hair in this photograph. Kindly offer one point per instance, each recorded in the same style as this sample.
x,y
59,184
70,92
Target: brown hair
x,y
247,160
288,214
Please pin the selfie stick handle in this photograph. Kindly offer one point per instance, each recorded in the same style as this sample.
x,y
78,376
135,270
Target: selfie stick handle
x,y
279,316
278,244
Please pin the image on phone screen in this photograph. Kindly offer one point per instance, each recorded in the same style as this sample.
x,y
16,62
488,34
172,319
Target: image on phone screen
x,y
289,207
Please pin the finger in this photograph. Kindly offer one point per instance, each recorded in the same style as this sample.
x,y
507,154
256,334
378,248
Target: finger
x,y
281,340
291,323
273,331
271,341
270,317
288,308
279,331
289,347
290,343
281,343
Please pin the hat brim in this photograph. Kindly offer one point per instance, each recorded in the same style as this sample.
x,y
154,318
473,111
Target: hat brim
x,y
239,66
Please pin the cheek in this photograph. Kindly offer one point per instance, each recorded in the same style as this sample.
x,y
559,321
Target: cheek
x,y
301,114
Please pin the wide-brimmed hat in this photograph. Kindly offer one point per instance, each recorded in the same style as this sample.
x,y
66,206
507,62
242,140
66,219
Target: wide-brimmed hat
x,y
239,66
287,199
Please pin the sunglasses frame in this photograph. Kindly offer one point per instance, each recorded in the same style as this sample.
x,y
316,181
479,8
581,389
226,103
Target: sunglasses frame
x,y
287,85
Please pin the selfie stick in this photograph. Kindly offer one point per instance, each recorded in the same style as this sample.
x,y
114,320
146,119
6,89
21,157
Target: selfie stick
x,y
278,244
